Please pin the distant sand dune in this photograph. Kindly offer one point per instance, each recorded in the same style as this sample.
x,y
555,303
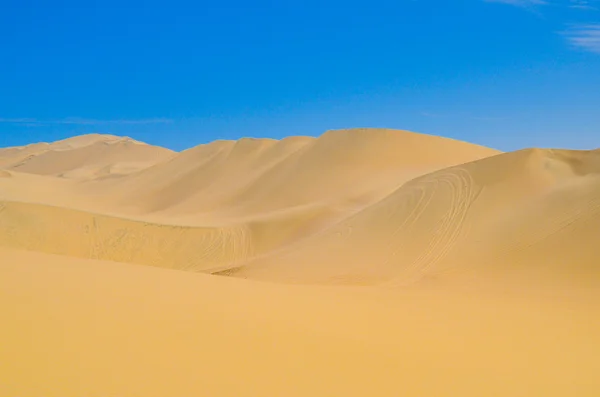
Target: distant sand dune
x,y
253,176
83,157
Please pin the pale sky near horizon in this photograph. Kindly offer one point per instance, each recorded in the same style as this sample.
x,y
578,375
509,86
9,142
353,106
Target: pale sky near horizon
x,y
506,73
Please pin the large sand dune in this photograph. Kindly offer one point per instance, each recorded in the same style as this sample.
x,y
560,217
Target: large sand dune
x,y
427,266
510,212
233,179
245,198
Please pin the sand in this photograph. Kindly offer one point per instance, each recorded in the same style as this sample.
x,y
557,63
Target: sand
x,y
361,262
83,157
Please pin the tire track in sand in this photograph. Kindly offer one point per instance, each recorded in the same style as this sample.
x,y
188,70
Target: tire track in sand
x,y
439,237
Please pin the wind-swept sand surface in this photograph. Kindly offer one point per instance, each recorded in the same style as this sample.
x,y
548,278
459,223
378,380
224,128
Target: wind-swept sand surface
x,y
362,262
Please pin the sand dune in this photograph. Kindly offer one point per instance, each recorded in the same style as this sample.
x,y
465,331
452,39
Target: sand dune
x,y
426,266
489,215
255,176
83,157
231,200
528,208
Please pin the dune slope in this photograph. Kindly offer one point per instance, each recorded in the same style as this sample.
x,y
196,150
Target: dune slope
x,y
512,211
56,230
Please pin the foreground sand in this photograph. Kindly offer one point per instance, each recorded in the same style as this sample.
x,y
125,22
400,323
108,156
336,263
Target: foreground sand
x,y
79,327
425,266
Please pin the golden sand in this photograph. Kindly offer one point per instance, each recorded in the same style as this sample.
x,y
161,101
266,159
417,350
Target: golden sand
x,y
363,262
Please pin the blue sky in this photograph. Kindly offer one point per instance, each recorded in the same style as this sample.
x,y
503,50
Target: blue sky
x,y
505,73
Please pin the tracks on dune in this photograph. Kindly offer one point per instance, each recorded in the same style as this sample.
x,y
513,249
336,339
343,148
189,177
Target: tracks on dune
x,y
405,236
440,235
68,232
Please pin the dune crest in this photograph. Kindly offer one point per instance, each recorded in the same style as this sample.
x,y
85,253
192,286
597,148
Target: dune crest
x,y
254,176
